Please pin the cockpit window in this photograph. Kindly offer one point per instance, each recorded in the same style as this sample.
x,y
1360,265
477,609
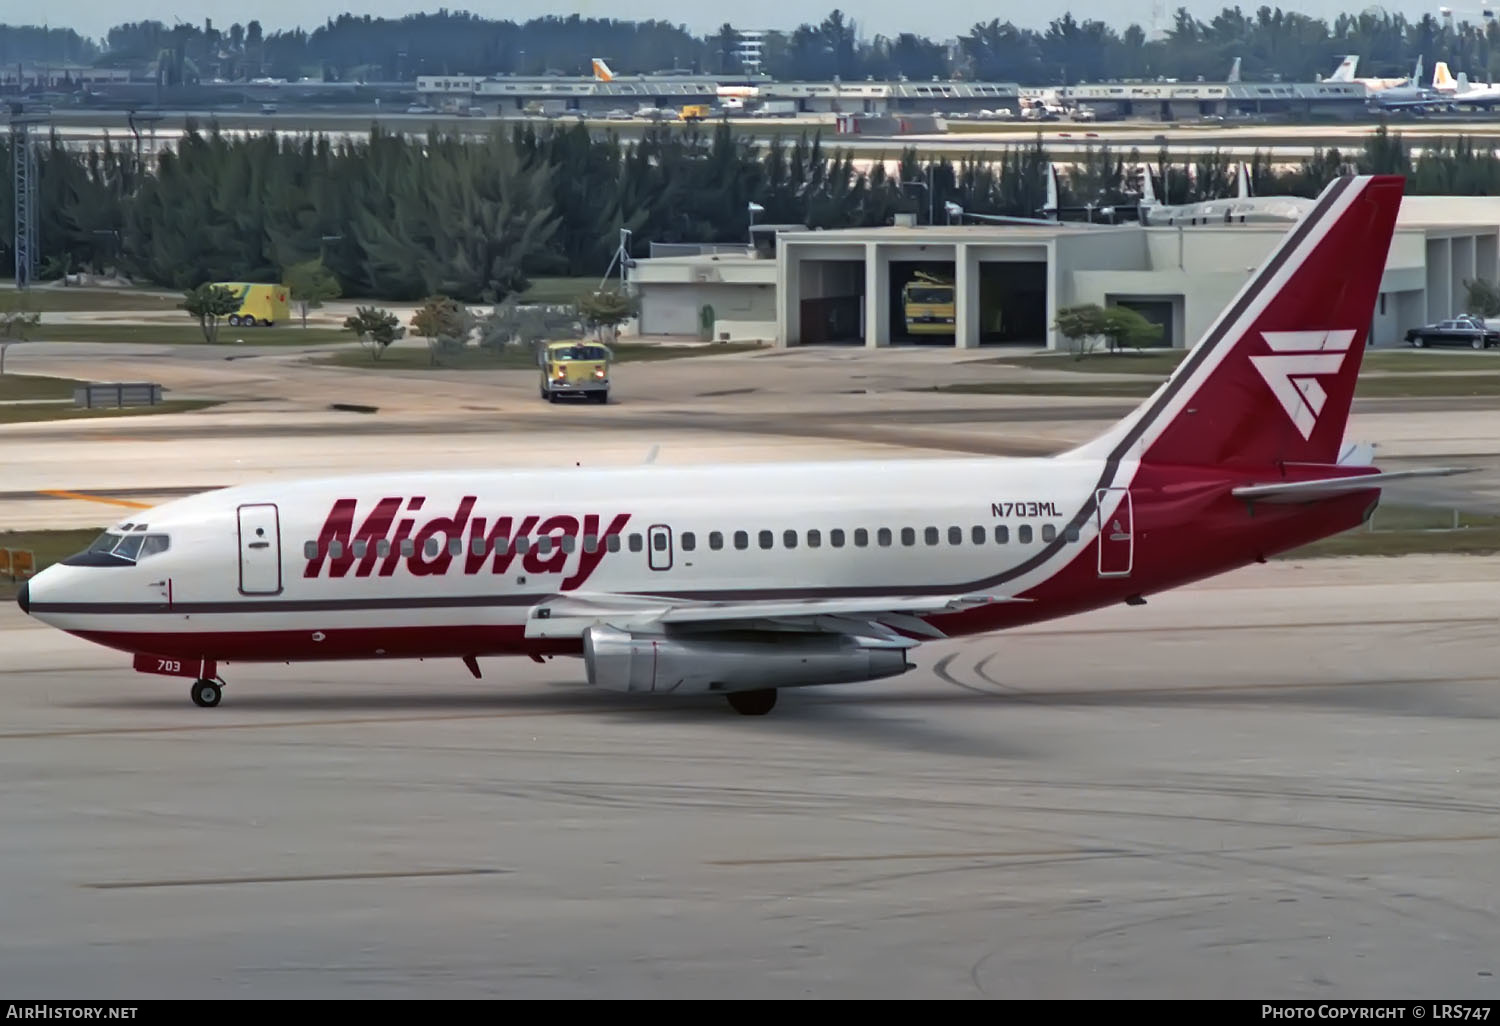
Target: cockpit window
x,y
115,549
105,542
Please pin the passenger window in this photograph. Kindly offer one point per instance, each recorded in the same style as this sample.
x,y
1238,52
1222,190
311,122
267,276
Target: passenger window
x,y
836,538
1048,532
569,543
659,541
310,550
741,540
382,547
408,547
456,546
930,536
358,548
1071,533
861,537
908,536
431,548
715,540
1023,534
789,539
955,536
612,542
766,539
1002,534
978,535
635,543
590,543
476,546
883,536
523,545
814,539
689,541
335,549
544,545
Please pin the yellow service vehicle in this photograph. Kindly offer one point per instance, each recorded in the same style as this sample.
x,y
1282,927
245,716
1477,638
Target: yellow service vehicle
x,y
575,368
694,112
927,303
259,304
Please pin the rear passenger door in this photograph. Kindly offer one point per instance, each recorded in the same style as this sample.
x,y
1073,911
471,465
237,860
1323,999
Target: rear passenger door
x,y
659,547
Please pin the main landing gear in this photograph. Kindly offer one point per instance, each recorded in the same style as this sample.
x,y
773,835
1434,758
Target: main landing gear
x,y
207,693
752,703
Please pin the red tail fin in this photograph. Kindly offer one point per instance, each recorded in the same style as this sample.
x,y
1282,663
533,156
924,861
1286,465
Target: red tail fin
x,y
1273,378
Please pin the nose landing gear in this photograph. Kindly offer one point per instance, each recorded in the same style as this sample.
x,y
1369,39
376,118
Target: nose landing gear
x,y
207,693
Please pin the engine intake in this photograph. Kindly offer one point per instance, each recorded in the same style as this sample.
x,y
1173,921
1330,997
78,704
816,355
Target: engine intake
x,y
694,664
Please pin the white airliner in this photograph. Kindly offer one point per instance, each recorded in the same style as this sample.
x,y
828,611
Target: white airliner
x,y
1345,73
1241,209
740,580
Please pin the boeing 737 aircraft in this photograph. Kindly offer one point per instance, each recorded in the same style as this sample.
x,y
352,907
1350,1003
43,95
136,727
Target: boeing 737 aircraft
x,y
740,580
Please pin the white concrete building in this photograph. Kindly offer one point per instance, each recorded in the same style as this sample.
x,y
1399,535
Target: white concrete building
x,y
845,286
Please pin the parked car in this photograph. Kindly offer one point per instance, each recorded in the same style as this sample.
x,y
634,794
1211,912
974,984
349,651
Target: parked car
x,y
1464,331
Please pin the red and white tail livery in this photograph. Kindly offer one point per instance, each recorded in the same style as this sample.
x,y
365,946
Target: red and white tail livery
x,y
741,580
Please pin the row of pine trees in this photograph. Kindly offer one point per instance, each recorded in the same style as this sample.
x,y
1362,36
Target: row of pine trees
x,y
402,217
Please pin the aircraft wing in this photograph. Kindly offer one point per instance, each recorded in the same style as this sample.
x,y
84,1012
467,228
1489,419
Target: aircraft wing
x,y
1327,487
882,617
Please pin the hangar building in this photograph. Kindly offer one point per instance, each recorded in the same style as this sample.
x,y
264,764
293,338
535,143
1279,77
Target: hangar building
x,y
846,286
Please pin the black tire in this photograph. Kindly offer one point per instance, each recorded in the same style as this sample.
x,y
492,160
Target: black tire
x,y
207,693
234,320
601,397
752,703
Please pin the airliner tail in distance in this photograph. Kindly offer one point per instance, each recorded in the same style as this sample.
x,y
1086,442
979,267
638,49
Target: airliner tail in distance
x,y
601,70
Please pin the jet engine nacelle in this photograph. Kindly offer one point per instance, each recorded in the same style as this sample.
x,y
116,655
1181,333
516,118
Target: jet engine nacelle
x,y
696,664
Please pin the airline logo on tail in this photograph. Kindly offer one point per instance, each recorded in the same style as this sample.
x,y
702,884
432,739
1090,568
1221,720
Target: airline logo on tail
x,y
601,70
1299,359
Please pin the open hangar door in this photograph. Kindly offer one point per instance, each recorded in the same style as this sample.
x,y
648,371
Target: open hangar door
x,y
831,310
1013,302
922,304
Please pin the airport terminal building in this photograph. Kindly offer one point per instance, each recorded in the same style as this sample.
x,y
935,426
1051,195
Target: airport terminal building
x,y
849,286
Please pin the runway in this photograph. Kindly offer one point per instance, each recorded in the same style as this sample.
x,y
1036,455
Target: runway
x,y
1280,784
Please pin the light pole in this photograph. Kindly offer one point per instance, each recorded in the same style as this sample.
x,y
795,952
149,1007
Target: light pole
x,y
953,210
753,208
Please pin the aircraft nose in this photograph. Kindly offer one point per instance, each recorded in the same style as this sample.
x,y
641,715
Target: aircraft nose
x,y
23,597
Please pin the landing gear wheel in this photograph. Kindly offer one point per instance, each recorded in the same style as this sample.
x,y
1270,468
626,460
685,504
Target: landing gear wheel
x,y
752,703
206,693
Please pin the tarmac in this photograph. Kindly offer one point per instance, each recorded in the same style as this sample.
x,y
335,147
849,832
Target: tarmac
x,y
1279,784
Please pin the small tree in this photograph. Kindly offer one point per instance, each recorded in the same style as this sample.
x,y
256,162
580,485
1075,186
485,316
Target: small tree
x,y
1124,326
1484,298
375,328
607,309
444,322
310,283
208,303
1081,325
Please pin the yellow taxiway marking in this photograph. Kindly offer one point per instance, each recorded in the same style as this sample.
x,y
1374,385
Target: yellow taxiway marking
x,y
94,498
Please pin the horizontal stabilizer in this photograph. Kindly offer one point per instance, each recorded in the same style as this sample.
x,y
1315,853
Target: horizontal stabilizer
x,y
1323,488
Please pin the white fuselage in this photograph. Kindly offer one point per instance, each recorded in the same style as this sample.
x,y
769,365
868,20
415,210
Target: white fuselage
x,y
405,552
